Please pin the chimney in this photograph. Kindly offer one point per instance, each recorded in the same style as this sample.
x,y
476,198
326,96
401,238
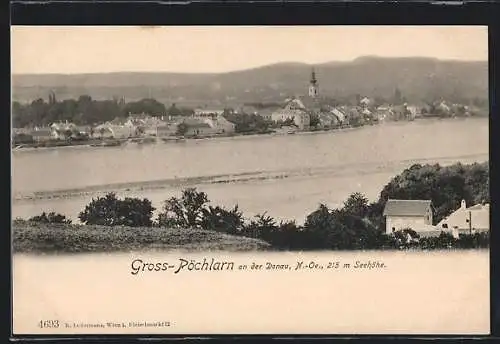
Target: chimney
x,y
463,206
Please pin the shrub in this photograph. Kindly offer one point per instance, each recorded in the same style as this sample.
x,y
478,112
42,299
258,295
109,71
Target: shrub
x,y
262,226
221,220
22,138
476,240
444,240
51,217
110,211
184,212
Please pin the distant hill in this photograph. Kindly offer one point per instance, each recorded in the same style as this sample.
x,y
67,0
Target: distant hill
x,y
417,78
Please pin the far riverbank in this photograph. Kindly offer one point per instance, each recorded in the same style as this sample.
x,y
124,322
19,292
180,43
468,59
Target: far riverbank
x,y
112,142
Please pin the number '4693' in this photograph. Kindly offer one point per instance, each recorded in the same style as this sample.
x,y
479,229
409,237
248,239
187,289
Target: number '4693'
x,y
48,323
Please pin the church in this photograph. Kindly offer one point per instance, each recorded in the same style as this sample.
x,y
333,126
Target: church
x,y
300,109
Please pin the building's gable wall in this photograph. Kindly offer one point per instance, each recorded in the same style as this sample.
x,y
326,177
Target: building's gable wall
x,y
395,223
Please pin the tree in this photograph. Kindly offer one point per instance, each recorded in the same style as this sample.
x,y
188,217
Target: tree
x,y
68,133
356,204
247,122
174,111
398,98
323,229
182,129
314,121
147,105
51,217
111,211
222,220
22,138
262,226
184,212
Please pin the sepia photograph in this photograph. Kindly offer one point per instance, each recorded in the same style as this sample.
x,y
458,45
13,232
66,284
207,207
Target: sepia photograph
x,y
250,180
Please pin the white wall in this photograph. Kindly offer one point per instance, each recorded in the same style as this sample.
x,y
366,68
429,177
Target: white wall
x,y
402,222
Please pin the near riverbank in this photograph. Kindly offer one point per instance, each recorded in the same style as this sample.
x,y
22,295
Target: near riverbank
x,y
66,238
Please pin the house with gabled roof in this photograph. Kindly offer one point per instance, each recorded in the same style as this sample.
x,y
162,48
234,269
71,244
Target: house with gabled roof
x,y
341,115
467,220
294,110
409,214
42,134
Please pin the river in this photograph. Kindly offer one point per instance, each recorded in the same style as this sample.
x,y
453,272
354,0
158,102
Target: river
x,y
287,176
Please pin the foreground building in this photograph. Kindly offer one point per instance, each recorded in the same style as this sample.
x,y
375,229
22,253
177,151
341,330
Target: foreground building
x,y
409,214
467,220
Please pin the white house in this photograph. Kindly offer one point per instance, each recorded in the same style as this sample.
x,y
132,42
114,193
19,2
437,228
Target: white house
x,y
295,110
327,120
208,112
267,113
467,220
102,132
341,116
365,102
198,127
166,130
414,111
200,130
62,130
109,130
414,214
221,125
42,134
122,131
149,126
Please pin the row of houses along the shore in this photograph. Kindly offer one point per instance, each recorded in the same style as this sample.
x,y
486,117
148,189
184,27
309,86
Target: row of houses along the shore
x,y
203,123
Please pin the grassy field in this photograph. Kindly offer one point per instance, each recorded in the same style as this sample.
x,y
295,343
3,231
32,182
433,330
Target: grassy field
x,y
60,238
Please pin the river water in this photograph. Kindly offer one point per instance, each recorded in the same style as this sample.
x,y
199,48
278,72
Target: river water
x,y
287,176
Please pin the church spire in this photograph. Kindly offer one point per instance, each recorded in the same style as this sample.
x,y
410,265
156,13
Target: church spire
x,y
313,77
313,86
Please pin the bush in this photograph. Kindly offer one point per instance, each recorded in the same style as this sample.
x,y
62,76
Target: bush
x,y
221,220
443,241
110,211
184,212
22,138
476,240
261,227
405,238
51,217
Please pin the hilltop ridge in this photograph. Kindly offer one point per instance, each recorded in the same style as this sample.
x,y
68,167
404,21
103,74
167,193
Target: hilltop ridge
x,y
416,77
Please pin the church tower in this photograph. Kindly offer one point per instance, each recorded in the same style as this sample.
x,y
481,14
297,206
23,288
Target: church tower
x,y
313,86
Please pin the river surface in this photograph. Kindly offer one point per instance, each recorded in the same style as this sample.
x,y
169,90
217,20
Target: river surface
x,y
287,176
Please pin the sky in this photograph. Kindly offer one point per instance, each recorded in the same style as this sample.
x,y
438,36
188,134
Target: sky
x,y
212,49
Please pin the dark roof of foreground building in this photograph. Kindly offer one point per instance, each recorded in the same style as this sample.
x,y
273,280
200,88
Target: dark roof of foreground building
x,y
400,207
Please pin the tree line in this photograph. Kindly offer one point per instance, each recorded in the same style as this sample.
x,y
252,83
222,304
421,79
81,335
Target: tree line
x,y
87,111
358,224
